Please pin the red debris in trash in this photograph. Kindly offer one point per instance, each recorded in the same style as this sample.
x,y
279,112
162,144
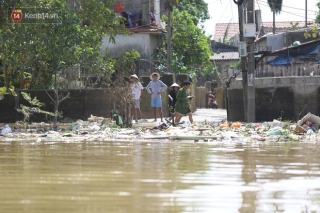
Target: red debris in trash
x,y
308,123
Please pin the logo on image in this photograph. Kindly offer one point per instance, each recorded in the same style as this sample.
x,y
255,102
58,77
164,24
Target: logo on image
x,y
16,15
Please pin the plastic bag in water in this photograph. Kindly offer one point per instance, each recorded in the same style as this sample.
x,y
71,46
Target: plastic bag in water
x,y
6,129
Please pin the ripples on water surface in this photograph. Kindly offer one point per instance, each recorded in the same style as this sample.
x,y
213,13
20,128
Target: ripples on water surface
x,y
156,177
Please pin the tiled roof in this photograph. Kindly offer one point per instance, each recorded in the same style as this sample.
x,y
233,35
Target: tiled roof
x,y
221,29
225,56
282,26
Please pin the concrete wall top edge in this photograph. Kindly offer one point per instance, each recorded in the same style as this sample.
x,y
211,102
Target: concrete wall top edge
x,y
279,82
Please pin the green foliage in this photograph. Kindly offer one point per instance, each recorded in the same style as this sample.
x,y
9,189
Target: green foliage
x,y
209,73
124,66
190,47
312,32
276,5
236,65
318,14
198,9
7,91
34,107
33,102
294,26
225,40
43,49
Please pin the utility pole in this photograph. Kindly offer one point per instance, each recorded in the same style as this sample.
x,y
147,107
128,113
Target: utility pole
x,y
306,14
169,41
251,108
243,62
274,19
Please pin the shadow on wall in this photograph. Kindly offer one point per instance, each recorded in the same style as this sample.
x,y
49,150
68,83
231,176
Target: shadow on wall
x,y
271,103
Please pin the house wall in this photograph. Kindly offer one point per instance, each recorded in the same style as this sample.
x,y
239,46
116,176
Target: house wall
x,y
144,43
223,67
139,42
131,6
260,45
289,98
275,41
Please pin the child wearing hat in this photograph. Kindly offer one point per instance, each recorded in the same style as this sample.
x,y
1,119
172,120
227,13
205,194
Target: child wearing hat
x,y
155,88
173,98
136,93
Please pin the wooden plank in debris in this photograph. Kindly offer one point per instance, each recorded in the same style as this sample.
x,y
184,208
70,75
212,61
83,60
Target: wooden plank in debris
x,y
193,137
156,137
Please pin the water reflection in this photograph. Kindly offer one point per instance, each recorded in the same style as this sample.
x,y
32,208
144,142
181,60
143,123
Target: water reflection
x,y
159,177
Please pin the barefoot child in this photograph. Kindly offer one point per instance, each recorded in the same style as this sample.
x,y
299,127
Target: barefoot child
x,y
157,87
136,93
173,98
183,98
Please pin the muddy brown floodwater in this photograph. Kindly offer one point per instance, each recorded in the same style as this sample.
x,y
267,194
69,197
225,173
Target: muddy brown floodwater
x,y
159,177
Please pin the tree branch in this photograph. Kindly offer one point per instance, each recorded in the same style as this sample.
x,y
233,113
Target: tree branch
x,y
64,98
48,94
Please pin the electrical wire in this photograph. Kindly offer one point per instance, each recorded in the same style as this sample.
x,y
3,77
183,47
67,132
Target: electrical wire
x,y
266,5
284,11
223,12
232,12
213,2
289,6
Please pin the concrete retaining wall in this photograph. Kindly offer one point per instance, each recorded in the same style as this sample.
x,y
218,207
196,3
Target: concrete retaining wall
x,y
201,97
289,98
84,102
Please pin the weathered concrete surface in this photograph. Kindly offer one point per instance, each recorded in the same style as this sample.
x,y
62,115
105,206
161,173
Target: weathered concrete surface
x,y
235,105
274,103
288,98
210,115
202,115
144,43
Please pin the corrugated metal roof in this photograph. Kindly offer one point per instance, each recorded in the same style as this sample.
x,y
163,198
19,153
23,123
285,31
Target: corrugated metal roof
x,y
225,56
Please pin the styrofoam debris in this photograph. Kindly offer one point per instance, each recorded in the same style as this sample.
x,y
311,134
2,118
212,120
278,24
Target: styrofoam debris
x,y
6,129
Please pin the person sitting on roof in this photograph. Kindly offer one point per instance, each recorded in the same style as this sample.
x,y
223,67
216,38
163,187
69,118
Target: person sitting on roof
x,y
152,19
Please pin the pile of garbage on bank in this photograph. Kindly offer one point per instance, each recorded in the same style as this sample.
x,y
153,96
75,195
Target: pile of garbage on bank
x,y
106,129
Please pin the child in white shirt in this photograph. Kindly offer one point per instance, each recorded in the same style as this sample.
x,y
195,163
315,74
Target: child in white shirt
x,y
137,94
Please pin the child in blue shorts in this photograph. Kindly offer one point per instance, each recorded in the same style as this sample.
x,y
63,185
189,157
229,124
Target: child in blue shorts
x,y
155,88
